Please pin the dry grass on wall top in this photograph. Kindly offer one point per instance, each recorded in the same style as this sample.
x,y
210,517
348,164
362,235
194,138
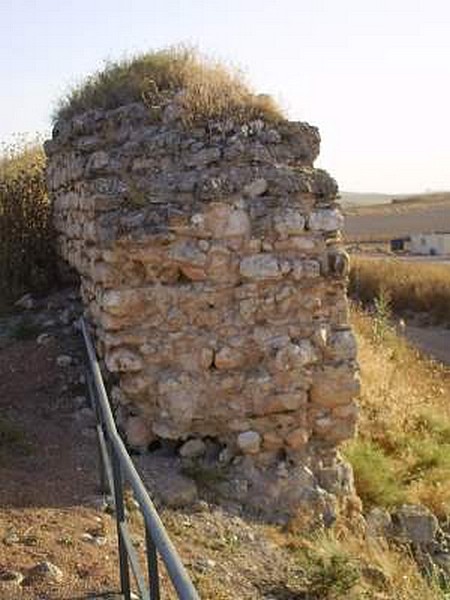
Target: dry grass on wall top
x,y
27,259
409,285
209,89
402,452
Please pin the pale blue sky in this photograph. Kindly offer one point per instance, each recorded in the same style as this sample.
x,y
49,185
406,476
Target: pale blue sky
x,y
374,75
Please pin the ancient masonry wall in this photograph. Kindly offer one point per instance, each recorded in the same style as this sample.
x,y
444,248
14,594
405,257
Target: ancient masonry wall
x,y
212,269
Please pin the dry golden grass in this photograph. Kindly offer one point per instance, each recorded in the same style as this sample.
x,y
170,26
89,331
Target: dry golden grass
x,y
340,565
421,287
209,90
402,453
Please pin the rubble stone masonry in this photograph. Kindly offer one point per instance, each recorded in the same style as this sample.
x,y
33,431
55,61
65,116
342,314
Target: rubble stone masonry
x,y
213,274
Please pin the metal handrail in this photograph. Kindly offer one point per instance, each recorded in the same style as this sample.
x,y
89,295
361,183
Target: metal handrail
x,y
117,466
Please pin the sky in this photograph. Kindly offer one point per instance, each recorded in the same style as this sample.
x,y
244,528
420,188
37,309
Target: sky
x,y
373,75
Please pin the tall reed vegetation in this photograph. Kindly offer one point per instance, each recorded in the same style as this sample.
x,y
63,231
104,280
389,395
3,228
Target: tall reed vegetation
x,y
27,259
414,286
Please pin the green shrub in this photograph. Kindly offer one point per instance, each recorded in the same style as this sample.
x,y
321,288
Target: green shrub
x,y
382,315
329,569
375,474
332,575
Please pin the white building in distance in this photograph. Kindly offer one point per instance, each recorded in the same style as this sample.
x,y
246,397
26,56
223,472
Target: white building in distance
x,y
434,244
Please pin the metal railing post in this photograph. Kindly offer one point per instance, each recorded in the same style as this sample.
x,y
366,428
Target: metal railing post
x,y
152,565
103,482
120,518
116,467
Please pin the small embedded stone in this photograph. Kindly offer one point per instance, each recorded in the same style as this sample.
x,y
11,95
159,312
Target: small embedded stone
x,y
44,571
256,188
339,263
297,438
43,339
11,577
272,441
290,222
122,359
228,358
323,424
416,523
378,522
64,360
97,540
193,448
187,252
343,345
138,432
260,266
321,337
305,269
293,356
11,538
203,157
249,442
237,224
206,357
97,162
27,302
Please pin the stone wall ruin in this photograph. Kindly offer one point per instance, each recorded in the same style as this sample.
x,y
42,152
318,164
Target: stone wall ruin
x,y
213,274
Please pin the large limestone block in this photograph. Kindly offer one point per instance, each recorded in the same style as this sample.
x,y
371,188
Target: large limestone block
x,y
335,385
326,219
260,266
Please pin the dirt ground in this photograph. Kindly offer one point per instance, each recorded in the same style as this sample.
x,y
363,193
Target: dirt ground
x,y
433,341
50,506
48,475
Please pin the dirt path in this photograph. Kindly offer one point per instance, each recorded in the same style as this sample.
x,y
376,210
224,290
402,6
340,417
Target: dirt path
x,y
434,341
48,467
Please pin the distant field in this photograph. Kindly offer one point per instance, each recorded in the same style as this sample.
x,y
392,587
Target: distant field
x,y
349,199
417,214
360,199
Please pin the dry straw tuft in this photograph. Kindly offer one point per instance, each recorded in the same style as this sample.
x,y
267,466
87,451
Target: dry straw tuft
x,y
209,89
